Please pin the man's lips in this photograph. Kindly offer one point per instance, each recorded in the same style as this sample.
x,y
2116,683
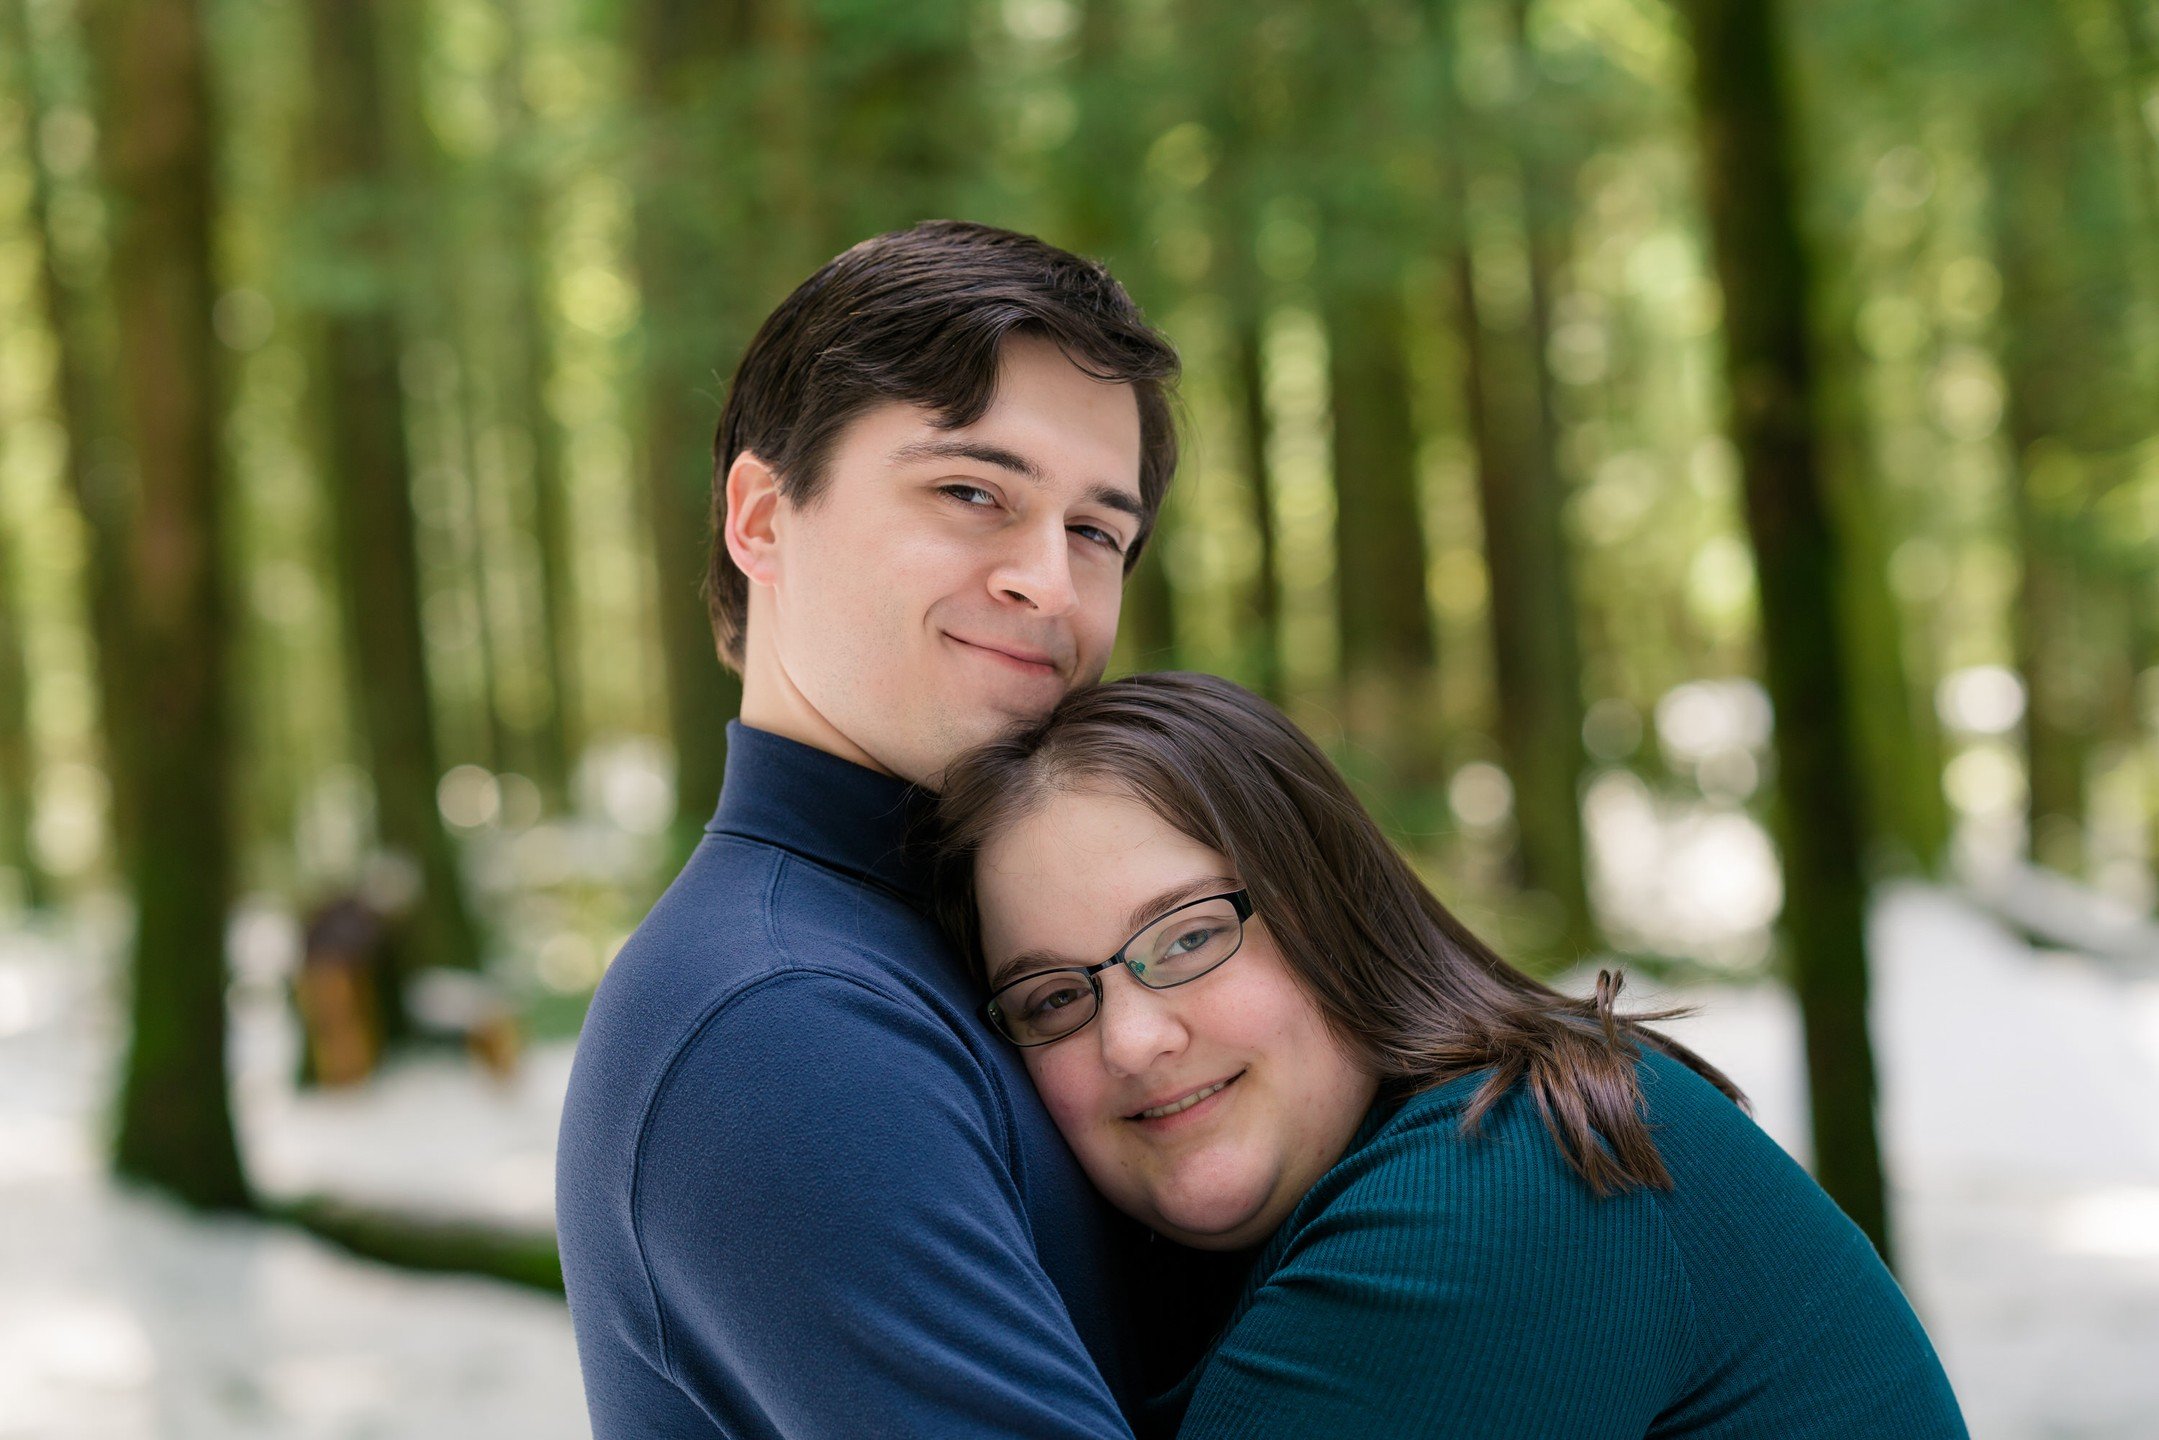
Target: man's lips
x,y
1017,654
1178,1101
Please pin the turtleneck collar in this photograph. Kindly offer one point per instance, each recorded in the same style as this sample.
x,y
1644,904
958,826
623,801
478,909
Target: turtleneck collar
x,y
816,805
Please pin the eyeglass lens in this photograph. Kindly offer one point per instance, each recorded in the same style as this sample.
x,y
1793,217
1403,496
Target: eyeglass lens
x,y
1183,945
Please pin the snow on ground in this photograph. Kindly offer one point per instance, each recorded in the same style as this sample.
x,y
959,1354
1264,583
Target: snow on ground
x,y
2021,1123
123,1317
2019,1113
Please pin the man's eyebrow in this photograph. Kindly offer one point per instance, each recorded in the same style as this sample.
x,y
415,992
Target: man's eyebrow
x,y
988,454
1108,496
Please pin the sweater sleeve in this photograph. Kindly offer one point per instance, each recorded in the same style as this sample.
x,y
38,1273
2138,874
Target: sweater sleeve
x,y
833,1236
1436,1286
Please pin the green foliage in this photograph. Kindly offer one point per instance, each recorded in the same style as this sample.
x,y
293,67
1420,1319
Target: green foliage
x,y
1343,214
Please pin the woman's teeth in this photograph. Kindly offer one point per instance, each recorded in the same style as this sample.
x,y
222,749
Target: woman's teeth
x,y
1185,1104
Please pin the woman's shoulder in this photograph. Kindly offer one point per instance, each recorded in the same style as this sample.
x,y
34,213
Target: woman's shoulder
x,y
1453,1156
1456,1134
1454,1249
1708,1140
1457,1248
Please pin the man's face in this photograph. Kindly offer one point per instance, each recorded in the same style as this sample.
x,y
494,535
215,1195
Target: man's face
x,y
944,584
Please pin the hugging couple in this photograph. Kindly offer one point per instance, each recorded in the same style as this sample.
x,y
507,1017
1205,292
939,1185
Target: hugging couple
x,y
1023,1056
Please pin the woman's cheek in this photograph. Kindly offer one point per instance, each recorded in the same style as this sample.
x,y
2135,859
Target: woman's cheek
x,y
1065,1090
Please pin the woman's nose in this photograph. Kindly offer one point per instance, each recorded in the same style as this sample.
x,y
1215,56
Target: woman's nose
x,y
1138,1026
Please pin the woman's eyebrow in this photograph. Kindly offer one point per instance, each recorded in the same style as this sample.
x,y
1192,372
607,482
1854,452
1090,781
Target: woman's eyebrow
x,y
1148,911
1028,961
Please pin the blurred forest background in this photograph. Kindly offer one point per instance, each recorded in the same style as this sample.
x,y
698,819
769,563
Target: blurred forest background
x,y
1691,460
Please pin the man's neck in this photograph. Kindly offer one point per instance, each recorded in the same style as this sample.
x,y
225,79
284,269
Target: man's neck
x,y
771,702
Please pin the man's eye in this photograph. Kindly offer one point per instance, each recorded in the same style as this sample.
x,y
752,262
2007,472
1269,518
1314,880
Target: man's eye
x,y
1100,537
973,495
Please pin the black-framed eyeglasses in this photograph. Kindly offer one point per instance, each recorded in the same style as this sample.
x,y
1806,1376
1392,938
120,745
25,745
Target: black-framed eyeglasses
x,y
1174,949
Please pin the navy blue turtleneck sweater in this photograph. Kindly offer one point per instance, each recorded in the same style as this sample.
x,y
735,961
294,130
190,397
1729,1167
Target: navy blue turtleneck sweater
x,y
801,1191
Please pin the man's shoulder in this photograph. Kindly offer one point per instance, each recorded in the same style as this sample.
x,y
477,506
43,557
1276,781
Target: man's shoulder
x,y
743,909
752,944
743,1048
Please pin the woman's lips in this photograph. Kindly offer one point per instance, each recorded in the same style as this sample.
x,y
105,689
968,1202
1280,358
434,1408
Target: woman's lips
x,y
1188,1106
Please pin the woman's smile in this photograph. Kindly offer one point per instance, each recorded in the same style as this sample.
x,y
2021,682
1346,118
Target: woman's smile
x,y
1156,1117
1206,1108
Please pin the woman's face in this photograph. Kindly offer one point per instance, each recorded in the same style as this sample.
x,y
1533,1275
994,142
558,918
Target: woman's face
x,y
1073,881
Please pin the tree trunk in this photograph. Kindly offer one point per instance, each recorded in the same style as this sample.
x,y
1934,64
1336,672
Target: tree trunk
x,y
1238,187
692,327
1747,144
2136,23
1100,202
1383,618
454,333
702,694
94,466
1534,660
531,360
465,413
2070,359
1147,623
2049,647
18,760
1892,682
1898,740
1548,803
1255,434
1514,431
369,474
156,144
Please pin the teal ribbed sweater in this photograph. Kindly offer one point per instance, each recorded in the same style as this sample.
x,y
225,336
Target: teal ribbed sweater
x,y
1436,1285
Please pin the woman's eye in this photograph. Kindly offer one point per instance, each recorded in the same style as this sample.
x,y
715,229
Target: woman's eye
x,y
1189,941
1053,1000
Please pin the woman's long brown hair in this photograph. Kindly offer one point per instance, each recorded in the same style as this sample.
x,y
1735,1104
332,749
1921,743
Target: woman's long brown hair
x,y
1400,980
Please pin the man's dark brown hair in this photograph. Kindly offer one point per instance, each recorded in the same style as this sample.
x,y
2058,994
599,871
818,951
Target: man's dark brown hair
x,y
919,316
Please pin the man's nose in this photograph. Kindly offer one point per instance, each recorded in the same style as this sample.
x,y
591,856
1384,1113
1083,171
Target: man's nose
x,y
1037,571
1138,1026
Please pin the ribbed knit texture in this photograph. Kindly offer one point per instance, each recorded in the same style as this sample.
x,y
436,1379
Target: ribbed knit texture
x,y
1434,1284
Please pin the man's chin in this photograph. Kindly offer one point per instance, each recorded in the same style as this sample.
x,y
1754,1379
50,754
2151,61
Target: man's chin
x,y
998,710
963,729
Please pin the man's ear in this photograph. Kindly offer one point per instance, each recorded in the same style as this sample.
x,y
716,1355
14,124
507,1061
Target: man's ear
x,y
752,523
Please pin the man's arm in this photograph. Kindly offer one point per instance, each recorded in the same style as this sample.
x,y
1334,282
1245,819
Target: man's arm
x,y
833,1236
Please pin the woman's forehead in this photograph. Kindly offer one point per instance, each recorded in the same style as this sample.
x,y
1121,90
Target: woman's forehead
x,y
1097,832
1078,864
